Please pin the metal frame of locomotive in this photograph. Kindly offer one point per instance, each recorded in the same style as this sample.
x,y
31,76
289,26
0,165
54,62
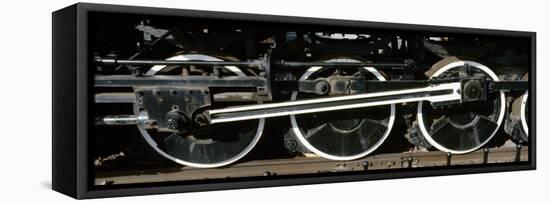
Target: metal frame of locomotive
x,y
206,110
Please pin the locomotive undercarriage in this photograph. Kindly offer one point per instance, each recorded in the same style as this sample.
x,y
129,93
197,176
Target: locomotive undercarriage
x,y
208,103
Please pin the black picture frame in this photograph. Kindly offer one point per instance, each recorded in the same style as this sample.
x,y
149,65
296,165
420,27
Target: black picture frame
x,y
72,105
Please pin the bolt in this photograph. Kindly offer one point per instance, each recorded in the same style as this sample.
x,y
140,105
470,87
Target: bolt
x,y
173,123
365,165
176,121
291,144
321,87
410,161
201,120
139,96
472,89
156,92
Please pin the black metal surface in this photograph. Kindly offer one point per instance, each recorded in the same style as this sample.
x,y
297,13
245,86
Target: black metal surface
x,y
256,63
474,89
295,64
113,61
166,80
319,87
509,85
359,84
163,105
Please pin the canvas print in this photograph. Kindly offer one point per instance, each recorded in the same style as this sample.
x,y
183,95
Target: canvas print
x,y
196,99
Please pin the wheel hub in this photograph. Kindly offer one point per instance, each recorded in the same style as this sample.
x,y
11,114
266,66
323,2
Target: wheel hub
x,y
469,126
185,140
344,134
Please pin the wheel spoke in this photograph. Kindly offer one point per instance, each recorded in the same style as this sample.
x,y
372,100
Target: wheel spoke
x,y
213,146
463,128
346,134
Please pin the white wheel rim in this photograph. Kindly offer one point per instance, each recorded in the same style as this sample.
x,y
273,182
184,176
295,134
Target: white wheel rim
x,y
261,122
420,117
523,114
299,134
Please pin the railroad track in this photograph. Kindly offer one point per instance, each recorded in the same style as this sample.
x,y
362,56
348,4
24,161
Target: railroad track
x,y
303,165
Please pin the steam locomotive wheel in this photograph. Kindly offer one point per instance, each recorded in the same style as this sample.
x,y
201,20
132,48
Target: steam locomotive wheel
x,y
345,134
203,147
465,127
520,111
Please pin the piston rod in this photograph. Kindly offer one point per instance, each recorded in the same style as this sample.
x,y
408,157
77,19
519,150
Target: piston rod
x,y
124,119
436,94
